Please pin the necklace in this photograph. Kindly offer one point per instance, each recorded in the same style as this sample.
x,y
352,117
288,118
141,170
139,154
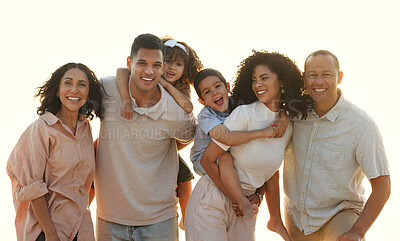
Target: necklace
x,y
70,126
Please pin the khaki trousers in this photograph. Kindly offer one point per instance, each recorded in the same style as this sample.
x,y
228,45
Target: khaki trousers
x,y
337,225
210,216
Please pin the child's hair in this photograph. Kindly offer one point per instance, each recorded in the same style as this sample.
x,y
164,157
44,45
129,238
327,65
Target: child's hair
x,y
204,74
178,49
293,98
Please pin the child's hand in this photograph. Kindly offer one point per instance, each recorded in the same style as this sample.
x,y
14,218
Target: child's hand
x,y
280,125
126,109
279,129
268,132
236,207
253,198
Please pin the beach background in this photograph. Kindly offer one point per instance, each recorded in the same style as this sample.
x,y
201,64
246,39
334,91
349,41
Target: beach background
x,y
39,36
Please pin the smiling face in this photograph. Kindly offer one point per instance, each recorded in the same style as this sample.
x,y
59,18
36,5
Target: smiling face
x,y
321,79
266,86
173,70
146,68
73,90
214,93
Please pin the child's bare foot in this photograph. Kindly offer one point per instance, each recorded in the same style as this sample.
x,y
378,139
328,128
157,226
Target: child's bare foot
x,y
248,209
278,227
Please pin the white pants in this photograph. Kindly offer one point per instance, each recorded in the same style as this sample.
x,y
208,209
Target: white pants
x,y
210,216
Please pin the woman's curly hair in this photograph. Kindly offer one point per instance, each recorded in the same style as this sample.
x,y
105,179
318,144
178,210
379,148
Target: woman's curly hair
x,y
293,99
192,62
49,100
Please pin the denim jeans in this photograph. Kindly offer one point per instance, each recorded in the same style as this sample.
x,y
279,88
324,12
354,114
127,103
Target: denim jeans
x,y
163,231
43,238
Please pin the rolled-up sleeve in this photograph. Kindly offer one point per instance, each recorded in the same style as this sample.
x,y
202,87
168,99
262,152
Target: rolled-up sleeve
x,y
370,152
183,130
27,163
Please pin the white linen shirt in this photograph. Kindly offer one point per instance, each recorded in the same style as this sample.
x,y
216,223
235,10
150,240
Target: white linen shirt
x,y
326,162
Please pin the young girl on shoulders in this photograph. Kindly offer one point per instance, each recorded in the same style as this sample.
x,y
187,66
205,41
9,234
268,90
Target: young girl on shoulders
x,y
181,66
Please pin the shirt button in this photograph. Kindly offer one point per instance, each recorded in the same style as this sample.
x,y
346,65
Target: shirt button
x,y
312,140
317,121
308,158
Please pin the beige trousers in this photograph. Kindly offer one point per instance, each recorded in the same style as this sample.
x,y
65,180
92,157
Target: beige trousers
x,y
337,225
210,216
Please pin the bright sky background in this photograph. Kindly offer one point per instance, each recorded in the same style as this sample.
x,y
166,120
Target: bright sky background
x,y
39,36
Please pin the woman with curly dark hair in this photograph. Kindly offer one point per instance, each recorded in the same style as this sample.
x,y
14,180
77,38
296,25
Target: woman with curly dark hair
x,y
265,84
52,165
291,97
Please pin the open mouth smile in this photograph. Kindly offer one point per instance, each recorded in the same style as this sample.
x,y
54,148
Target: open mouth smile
x,y
219,101
75,99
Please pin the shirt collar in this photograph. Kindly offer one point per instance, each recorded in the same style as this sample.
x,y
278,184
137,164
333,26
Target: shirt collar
x,y
155,111
333,113
51,119
217,113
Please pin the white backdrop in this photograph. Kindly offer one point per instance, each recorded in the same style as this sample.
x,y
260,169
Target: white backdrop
x,y
39,36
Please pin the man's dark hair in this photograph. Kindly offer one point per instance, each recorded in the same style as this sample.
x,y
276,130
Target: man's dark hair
x,y
147,41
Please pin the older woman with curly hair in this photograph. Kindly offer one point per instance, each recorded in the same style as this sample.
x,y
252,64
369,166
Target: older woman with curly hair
x,y
265,84
52,165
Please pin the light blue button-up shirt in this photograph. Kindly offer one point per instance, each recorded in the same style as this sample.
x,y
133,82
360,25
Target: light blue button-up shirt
x,y
326,162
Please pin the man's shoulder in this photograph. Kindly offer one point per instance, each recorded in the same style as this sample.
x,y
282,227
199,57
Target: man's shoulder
x,y
110,86
170,109
106,81
356,113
